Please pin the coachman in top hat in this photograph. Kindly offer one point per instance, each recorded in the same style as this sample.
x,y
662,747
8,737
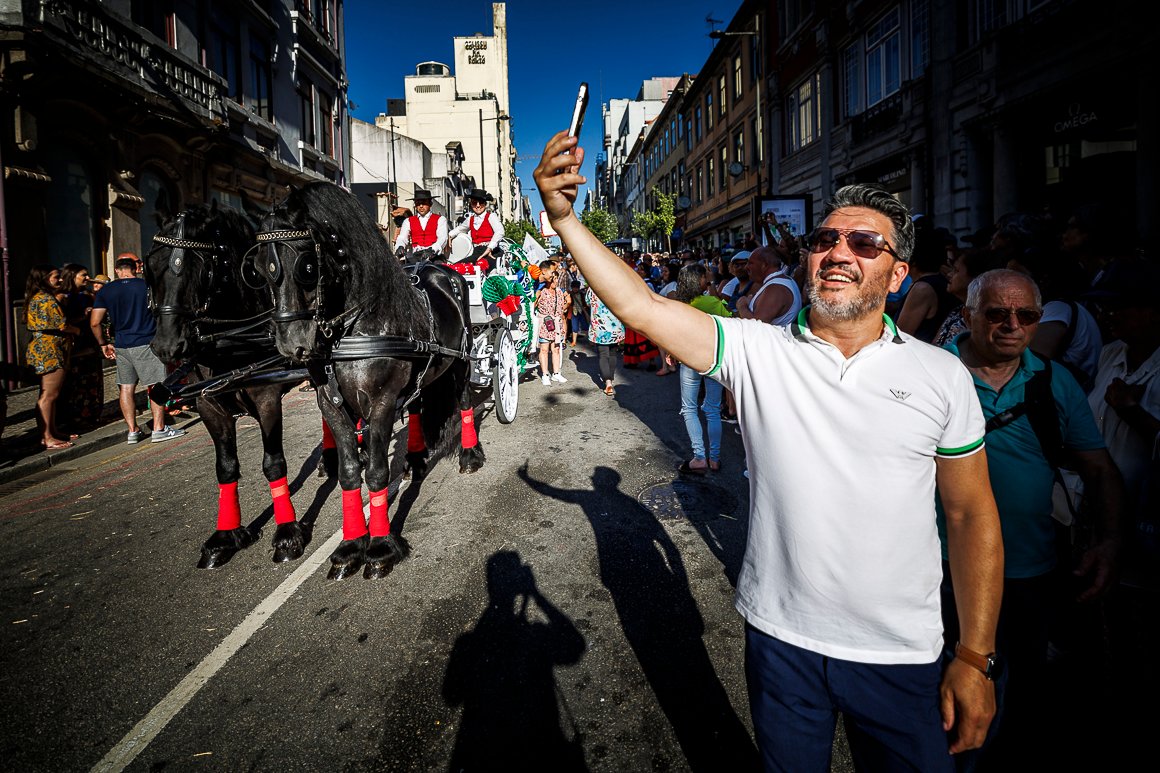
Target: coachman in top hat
x,y
483,226
425,231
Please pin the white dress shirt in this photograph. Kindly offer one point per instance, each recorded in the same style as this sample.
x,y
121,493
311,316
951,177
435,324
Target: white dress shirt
x,y
477,221
404,237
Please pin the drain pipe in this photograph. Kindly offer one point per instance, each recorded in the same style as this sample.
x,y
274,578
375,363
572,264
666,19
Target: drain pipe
x,y
9,333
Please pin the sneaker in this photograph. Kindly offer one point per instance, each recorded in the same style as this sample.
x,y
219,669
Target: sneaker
x,y
545,380
134,437
729,419
169,433
558,378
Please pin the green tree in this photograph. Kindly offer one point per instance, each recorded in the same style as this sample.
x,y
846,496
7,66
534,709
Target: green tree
x,y
601,223
514,230
659,221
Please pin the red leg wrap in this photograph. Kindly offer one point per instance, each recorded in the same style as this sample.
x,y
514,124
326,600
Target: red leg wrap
x,y
380,523
415,441
327,437
283,507
470,439
229,511
360,427
354,524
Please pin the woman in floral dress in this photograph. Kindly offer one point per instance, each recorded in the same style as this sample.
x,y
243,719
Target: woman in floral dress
x,y
551,306
606,332
47,352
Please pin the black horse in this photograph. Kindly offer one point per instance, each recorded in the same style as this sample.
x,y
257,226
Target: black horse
x,y
208,316
374,337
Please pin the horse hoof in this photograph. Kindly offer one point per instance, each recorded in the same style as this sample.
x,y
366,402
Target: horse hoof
x,y
289,542
347,558
416,468
328,463
471,459
222,545
382,554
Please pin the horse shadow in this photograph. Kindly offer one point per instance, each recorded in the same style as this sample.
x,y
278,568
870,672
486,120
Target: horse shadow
x,y
645,575
501,673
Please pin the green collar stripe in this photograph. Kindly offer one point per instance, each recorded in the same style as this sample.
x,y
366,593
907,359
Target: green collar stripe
x,y
720,353
961,450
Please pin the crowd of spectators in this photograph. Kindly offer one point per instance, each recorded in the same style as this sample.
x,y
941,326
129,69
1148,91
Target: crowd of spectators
x,y
1079,504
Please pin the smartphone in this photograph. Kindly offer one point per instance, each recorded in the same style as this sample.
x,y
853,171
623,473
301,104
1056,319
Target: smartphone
x,y
578,111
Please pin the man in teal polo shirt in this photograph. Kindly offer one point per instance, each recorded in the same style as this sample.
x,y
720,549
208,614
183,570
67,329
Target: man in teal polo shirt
x,y
1002,313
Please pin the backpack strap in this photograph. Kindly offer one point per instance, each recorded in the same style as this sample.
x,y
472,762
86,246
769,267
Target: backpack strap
x,y
1042,413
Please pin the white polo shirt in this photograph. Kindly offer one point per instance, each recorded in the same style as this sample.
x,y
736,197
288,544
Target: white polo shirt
x,y
843,554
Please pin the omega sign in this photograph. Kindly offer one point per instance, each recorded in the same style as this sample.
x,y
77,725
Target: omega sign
x,y
1076,117
476,47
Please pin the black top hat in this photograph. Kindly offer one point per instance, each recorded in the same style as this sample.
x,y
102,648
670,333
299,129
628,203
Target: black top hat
x,y
421,194
480,194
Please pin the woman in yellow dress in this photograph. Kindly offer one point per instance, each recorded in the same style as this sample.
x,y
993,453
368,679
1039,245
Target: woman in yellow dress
x,y
47,352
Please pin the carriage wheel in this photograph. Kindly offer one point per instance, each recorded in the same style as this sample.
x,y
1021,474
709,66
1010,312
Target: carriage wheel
x,y
505,378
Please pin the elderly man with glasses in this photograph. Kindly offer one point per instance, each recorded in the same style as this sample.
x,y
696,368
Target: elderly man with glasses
x,y
1038,419
847,426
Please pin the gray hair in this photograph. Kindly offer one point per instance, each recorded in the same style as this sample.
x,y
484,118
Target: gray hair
x,y
880,200
689,282
995,278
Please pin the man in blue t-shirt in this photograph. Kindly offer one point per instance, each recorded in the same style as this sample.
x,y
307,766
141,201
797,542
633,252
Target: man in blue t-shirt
x,y
1002,312
125,301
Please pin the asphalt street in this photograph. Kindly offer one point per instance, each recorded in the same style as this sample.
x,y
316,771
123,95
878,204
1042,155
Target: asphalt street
x,y
569,606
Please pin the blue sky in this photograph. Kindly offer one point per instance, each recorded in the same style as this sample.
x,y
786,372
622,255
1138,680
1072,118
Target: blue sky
x,y
552,47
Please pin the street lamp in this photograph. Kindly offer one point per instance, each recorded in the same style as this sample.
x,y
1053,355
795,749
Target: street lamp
x,y
754,33
499,180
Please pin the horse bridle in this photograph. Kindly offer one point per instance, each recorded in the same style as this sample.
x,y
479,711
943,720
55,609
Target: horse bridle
x,y
176,264
213,255
308,274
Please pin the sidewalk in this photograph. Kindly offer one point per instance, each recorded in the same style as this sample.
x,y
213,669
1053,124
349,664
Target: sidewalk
x,y
20,451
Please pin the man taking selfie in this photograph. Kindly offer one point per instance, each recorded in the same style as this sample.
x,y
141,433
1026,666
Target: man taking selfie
x,y
847,425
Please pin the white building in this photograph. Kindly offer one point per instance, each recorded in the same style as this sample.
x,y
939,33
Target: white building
x,y
625,122
469,106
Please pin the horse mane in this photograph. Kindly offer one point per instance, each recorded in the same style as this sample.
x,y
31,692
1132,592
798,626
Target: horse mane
x,y
375,281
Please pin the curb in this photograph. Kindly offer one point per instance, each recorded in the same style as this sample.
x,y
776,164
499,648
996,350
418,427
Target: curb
x,y
91,442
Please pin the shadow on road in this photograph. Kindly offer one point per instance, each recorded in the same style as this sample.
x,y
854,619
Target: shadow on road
x,y
501,672
643,571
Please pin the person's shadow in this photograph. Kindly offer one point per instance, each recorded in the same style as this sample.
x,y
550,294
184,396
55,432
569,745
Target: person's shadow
x,y
643,571
501,673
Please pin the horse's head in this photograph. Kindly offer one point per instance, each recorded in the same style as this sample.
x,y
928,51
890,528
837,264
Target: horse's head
x,y
301,258
191,268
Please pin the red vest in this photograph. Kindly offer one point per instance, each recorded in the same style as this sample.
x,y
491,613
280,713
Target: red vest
x,y
484,233
424,237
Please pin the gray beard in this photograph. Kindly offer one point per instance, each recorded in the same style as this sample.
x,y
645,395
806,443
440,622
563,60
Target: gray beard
x,y
869,301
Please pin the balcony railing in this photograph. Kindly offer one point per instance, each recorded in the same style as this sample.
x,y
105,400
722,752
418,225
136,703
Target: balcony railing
x,y
877,120
121,48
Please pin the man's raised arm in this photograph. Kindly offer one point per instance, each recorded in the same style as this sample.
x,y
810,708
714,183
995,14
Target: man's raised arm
x,y
687,334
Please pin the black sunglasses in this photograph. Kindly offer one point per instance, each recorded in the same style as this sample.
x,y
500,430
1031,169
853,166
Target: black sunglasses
x,y
864,244
997,315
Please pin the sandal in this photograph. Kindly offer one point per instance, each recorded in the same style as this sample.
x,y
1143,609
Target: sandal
x,y
714,466
56,445
608,390
685,469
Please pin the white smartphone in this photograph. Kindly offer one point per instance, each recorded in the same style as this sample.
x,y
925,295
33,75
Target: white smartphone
x,y
578,111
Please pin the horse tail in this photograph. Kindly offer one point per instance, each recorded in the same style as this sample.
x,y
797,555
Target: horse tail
x,y
440,411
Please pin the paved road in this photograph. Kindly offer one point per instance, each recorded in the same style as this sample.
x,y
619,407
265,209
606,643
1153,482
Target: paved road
x,y
545,618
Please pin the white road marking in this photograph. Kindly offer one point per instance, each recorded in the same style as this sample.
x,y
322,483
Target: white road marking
x,y
155,721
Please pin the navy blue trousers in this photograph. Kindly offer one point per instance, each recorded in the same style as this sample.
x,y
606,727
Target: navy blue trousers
x,y
890,712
